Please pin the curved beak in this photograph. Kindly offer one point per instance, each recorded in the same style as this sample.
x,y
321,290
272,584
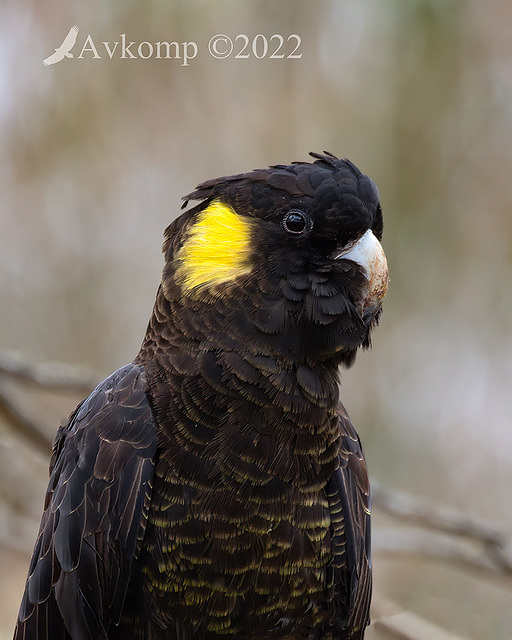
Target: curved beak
x,y
369,253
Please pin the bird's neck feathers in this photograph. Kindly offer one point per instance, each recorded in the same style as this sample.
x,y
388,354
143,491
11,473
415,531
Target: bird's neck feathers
x,y
239,402
235,361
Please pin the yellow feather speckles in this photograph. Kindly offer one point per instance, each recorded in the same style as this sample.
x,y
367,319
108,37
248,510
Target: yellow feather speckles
x,y
217,248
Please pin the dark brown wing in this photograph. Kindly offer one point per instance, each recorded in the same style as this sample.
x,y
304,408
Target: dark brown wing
x,y
348,493
95,514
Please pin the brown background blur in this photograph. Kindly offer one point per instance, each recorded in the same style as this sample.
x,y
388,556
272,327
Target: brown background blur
x,y
95,155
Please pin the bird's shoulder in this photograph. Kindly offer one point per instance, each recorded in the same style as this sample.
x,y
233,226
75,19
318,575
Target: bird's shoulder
x,y
117,409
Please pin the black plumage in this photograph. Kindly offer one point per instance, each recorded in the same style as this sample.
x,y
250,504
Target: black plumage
x,y
215,487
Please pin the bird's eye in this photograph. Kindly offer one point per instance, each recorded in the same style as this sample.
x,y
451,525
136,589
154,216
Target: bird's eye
x,y
297,222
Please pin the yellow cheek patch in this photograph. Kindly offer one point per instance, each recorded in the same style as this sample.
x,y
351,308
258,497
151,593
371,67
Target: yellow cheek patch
x,y
217,248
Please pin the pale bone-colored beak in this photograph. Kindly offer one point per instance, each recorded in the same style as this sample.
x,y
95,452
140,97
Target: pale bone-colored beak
x,y
369,253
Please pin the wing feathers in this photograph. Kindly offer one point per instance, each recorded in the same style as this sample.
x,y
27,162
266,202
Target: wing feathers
x,y
95,513
348,494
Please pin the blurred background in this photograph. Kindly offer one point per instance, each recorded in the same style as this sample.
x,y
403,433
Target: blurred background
x,y
95,154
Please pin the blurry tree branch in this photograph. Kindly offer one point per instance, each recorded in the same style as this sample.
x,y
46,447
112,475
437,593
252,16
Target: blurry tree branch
x,y
405,625
434,516
471,556
468,540
56,376
16,417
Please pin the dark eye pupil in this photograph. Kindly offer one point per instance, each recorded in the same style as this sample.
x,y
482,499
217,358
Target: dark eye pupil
x,y
295,222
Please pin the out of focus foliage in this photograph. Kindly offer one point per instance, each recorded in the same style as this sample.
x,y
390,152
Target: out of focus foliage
x,y
95,155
